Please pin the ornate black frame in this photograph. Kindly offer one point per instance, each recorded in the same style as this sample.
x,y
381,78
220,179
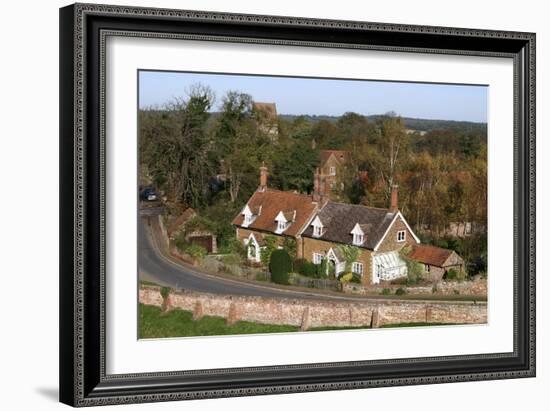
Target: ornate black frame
x,y
83,30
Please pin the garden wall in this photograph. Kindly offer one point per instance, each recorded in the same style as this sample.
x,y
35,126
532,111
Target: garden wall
x,y
314,313
476,287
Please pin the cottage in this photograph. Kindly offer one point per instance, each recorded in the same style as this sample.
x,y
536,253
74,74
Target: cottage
x,y
435,260
378,234
322,227
276,213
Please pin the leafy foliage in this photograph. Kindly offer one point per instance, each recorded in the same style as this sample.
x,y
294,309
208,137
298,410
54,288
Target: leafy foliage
x,y
280,265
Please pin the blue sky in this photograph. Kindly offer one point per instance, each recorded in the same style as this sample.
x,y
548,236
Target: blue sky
x,y
329,97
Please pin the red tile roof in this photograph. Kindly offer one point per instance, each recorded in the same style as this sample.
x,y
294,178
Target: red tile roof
x,y
271,203
340,155
429,254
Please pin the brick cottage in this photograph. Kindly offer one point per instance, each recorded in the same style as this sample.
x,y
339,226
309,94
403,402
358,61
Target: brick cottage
x,y
321,227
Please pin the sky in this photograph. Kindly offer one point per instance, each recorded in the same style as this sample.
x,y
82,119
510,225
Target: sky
x,y
326,96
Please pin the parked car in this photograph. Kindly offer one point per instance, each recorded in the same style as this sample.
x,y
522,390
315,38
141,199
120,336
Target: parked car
x,y
148,194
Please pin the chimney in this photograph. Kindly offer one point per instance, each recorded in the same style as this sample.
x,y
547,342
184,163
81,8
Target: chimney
x,y
394,199
263,177
319,187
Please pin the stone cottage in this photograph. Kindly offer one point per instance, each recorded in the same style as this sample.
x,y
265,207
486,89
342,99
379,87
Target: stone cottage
x,y
321,228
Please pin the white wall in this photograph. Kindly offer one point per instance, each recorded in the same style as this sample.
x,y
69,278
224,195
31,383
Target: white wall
x,y
29,207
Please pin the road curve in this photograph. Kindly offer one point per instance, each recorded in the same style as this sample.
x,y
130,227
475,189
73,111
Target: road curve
x,y
159,268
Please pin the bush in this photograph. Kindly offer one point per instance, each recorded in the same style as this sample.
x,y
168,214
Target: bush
x,y
304,267
232,259
196,251
280,265
322,269
386,291
400,291
356,278
345,277
454,275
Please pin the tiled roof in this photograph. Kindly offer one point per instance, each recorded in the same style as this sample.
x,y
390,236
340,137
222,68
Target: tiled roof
x,y
340,155
187,215
274,201
339,219
429,254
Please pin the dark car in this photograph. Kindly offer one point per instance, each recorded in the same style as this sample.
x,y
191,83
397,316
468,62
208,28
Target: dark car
x,y
148,194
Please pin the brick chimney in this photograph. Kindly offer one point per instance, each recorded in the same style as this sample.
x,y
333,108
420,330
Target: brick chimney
x,y
394,206
263,177
319,187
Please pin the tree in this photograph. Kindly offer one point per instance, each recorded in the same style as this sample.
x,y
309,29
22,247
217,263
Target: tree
x,y
280,265
351,254
175,147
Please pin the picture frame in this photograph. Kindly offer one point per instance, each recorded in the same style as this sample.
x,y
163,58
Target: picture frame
x,y
84,29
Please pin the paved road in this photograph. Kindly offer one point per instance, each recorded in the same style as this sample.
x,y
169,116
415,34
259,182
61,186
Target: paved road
x,y
161,269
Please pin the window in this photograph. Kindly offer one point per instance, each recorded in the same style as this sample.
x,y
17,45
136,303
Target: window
x,y
427,268
357,268
332,171
401,235
317,258
358,239
281,226
247,219
317,230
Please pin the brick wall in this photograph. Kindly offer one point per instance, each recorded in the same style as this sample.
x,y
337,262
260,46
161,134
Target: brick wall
x,y
309,313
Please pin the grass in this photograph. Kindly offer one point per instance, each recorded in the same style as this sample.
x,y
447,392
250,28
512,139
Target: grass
x,y
178,323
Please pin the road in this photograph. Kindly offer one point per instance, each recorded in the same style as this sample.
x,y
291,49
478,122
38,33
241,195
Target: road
x,y
161,269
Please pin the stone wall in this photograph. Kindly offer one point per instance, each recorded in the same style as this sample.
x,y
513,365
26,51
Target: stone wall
x,y
477,287
390,242
311,313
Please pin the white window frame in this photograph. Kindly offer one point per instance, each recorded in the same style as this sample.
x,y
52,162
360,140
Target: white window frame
x,y
332,170
317,231
317,258
281,226
427,268
358,239
357,268
404,232
247,219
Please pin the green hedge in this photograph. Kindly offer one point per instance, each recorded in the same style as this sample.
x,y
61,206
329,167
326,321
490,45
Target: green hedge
x,y
304,267
280,265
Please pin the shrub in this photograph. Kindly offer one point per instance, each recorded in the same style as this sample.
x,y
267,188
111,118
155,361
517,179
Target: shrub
x,y
280,265
304,267
345,277
356,278
322,269
270,246
232,259
386,291
453,274
400,291
196,251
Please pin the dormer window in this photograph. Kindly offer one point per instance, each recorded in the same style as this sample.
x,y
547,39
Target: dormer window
x,y
317,227
358,235
284,219
332,171
249,215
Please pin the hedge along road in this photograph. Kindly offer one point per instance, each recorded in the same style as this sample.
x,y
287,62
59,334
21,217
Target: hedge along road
x,y
159,267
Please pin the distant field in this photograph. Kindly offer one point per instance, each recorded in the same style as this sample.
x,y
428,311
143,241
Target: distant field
x,y
178,323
